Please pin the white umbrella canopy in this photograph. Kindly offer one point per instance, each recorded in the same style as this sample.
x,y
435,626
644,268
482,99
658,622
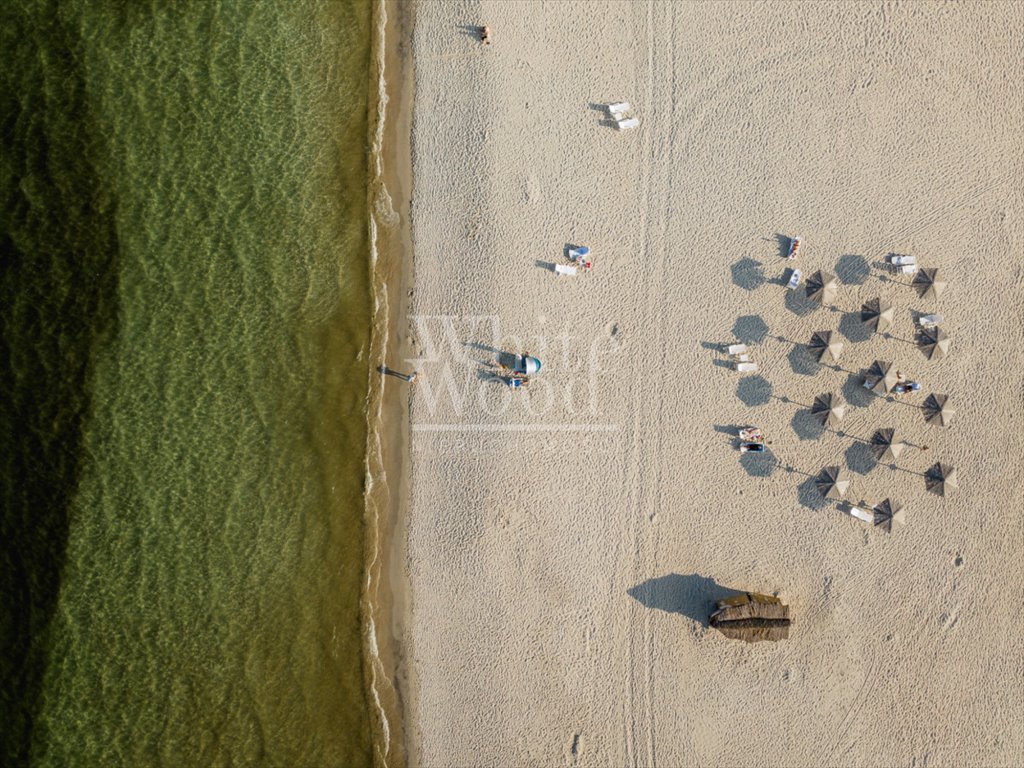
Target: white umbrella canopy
x,y
881,377
878,315
941,479
935,343
822,287
825,347
885,446
889,514
829,409
937,410
929,283
832,482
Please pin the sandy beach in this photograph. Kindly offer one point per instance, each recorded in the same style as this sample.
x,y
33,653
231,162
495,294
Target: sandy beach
x,y
564,545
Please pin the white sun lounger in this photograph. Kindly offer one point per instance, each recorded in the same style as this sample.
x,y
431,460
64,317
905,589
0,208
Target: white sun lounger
x,y
624,125
563,269
902,261
617,110
794,280
745,367
736,349
907,269
862,514
929,321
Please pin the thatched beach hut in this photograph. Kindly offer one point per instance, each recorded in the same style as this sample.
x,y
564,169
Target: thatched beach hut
x,y
752,617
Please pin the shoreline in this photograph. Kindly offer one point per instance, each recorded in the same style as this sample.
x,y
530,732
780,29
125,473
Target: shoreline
x,y
386,594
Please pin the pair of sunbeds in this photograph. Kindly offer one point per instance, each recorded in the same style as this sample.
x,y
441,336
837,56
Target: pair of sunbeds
x,y
741,361
619,113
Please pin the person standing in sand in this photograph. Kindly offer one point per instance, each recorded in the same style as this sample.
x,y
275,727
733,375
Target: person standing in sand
x,y
485,35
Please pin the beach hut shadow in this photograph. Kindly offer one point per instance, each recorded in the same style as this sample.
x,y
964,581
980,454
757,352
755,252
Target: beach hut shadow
x,y
754,390
689,595
853,329
747,274
853,269
750,329
859,458
855,393
809,497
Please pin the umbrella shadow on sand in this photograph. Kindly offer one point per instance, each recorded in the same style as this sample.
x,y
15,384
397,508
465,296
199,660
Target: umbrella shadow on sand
x,y
859,458
750,329
798,303
690,595
856,394
754,390
853,328
806,425
748,274
809,496
802,361
852,269
759,464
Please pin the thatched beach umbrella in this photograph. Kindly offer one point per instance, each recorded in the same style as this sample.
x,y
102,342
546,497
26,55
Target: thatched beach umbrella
x,y
824,347
832,482
877,314
889,513
940,479
885,446
937,410
829,409
935,343
929,283
880,378
822,287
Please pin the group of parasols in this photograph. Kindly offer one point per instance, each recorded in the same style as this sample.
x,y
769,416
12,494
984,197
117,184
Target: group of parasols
x,y
882,379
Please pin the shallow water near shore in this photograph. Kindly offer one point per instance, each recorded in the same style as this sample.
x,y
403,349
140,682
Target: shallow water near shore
x,y
186,313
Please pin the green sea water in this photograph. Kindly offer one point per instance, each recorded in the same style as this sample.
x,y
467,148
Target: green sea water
x,y
185,308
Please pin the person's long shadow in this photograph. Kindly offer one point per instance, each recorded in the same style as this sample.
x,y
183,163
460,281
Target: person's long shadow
x,y
689,595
